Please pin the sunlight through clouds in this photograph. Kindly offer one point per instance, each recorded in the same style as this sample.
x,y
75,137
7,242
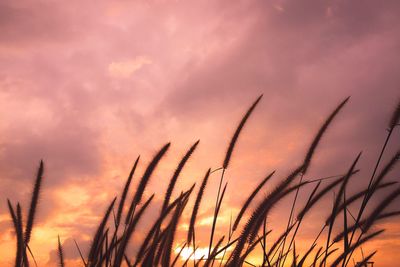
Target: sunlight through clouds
x,y
125,69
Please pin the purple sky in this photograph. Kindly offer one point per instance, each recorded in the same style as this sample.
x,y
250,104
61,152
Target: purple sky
x,y
88,86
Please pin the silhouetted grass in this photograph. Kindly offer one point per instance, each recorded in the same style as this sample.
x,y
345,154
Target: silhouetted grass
x,y
110,245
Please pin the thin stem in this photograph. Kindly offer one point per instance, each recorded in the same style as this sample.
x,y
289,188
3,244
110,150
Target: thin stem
x,y
215,212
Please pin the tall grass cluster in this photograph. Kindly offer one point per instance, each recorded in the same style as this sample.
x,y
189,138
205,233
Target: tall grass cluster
x,y
109,246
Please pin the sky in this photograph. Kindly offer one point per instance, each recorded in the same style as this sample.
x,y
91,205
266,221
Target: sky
x,y
87,86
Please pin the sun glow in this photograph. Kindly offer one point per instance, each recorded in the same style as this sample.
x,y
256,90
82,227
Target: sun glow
x,y
187,253
200,253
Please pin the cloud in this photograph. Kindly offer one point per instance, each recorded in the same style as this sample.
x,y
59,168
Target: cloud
x,y
125,69
89,88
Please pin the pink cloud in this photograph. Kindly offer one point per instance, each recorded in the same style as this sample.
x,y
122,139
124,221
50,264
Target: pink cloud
x,y
88,88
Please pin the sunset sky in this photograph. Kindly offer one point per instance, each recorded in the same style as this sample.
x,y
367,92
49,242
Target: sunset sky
x,y
87,86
